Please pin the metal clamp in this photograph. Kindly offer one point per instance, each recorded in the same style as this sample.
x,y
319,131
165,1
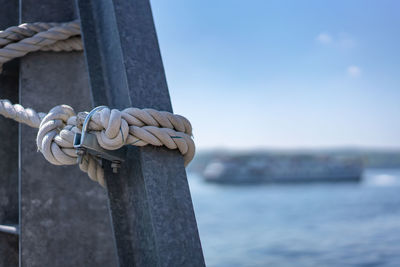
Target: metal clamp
x,y
87,143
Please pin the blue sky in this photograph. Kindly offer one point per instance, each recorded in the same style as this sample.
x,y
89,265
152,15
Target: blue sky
x,y
284,74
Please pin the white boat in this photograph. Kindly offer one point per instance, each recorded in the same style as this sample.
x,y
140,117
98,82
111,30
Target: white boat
x,y
283,169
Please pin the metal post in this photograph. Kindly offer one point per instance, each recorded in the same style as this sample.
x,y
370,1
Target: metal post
x,y
151,207
9,152
64,218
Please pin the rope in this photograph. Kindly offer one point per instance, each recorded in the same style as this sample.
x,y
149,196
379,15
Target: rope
x,y
17,41
113,128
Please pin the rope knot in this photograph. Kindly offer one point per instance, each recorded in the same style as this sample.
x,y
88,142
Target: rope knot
x,y
55,137
115,129
110,128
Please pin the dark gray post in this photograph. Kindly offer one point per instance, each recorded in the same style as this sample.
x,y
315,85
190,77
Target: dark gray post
x,y
9,152
151,207
64,216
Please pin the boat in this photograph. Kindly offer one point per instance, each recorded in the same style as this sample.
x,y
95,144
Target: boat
x,y
283,169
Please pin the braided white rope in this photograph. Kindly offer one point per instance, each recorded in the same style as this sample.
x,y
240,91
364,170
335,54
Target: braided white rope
x,y
113,129
17,41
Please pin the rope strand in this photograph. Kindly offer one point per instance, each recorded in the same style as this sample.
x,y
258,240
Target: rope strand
x,y
17,41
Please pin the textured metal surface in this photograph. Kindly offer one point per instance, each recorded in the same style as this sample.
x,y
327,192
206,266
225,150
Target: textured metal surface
x,y
9,168
64,216
8,250
150,202
9,148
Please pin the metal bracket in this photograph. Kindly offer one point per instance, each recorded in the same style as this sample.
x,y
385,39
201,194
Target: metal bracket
x,y
87,143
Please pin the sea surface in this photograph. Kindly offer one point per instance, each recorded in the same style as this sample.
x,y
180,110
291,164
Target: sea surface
x,y
346,224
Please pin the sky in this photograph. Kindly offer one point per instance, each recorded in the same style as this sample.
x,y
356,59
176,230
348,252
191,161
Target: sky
x,y
284,74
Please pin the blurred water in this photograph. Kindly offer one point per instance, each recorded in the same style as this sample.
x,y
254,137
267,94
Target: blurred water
x,y
301,225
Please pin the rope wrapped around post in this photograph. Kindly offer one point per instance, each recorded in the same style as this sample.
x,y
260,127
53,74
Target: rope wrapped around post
x,y
113,129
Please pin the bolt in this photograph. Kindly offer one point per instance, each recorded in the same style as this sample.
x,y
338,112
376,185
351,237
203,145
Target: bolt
x,y
80,151
115,165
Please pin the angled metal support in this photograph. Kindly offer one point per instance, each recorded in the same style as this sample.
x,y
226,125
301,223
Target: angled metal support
x,y
151,207
64,218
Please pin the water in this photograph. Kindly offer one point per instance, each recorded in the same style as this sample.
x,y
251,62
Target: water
x,y
301,225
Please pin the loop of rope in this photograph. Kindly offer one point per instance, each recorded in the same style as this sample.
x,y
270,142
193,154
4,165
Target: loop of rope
x,y
113,129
